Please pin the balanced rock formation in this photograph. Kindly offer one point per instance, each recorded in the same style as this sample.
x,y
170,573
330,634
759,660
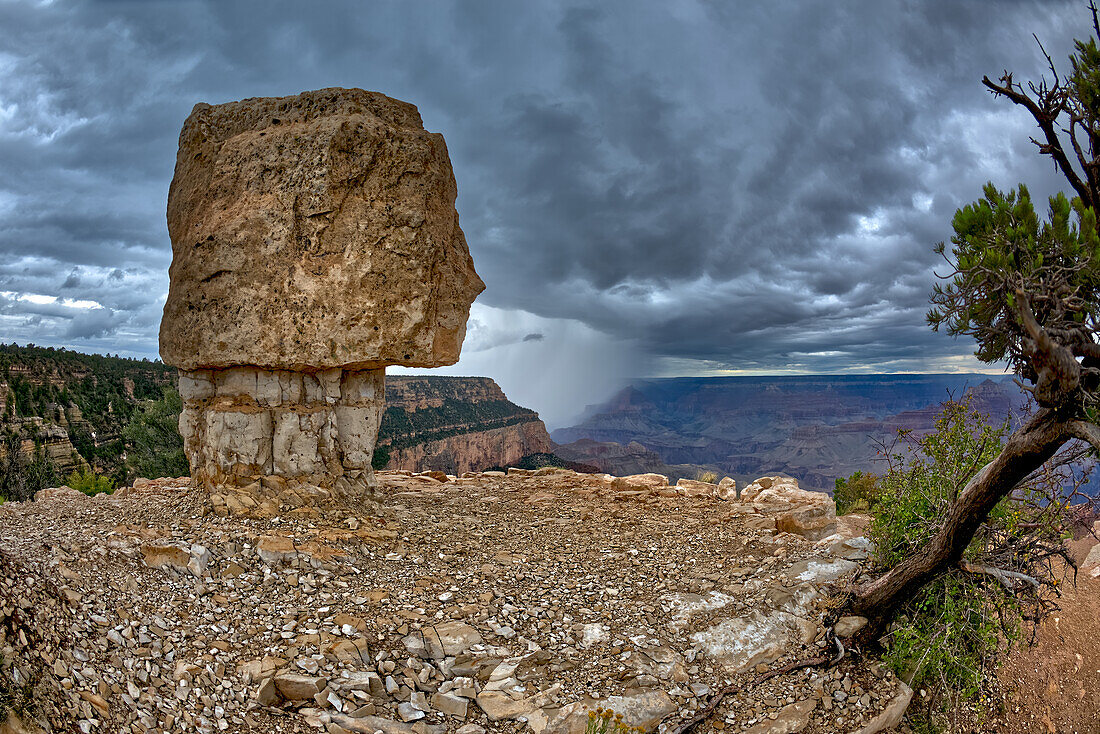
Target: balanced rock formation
x,y
314,242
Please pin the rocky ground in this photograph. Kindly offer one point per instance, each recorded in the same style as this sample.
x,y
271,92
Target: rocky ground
x,y
1053,685
437,604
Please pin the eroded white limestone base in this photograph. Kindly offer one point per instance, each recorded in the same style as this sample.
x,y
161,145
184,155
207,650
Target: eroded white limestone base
x,y
244,422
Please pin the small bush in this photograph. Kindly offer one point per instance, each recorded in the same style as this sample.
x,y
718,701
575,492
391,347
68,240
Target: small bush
x,y
90,483
154,447
950,634
858,493
707,476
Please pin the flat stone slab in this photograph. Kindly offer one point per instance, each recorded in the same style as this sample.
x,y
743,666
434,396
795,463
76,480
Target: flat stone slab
x,y
741,643
820,571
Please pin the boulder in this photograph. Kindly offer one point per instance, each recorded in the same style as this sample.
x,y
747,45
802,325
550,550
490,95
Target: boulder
x,y
820,571
853,525
645,480
276,549
192,559
62,492
892,715
849,625
809,514
644,710
374,724
696,488
741,643
314,242
443,640
314,232
295,687
789,719
662,663
813,522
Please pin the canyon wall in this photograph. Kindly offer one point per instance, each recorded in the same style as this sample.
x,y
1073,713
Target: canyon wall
x,y
475,451
53,439
456,424
815,427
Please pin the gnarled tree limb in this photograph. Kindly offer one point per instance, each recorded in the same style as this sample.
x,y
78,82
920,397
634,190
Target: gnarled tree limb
x,y
1007,578
1045,119
1027,449
1059,374
1088,432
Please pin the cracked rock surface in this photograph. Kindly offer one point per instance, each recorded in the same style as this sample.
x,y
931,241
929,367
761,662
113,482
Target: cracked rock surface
x,y
481,603
314,232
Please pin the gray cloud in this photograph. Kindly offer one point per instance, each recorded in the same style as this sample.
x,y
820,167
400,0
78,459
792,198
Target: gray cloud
x,y
719,185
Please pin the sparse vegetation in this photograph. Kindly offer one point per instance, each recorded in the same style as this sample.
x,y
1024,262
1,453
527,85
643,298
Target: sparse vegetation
x,y
14,698
948,635
606,721
707,476
1028,292
90,483
154,447
20,476
858,493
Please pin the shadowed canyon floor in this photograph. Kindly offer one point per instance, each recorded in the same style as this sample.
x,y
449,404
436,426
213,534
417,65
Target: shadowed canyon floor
x,y
486,602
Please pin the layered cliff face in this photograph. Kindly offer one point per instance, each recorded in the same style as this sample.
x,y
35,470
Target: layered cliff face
x,y
66,400
475,451
52,440
456,425
614,458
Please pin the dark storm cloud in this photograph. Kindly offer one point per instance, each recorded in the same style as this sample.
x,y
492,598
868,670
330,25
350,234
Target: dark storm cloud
x,y
719,185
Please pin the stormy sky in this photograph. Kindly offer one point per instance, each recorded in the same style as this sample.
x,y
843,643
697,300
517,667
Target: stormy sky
x,y
647,188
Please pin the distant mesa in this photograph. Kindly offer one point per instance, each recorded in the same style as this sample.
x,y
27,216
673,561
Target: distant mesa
x,y
315,241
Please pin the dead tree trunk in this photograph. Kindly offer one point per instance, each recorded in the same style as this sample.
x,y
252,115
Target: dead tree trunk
x,y
1026,450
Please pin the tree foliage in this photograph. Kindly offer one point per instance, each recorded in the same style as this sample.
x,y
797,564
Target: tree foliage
x,y
1027,290
154,447
88,393
1005,259
20,476
89,482
857,493
950,633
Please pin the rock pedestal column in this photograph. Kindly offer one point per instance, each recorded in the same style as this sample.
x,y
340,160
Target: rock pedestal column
x,y
314,242
243,422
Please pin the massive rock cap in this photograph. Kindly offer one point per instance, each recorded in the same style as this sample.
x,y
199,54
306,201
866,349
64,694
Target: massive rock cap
x,y
314,232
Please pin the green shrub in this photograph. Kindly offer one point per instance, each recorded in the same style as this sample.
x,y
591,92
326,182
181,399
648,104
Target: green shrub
x,y
606,721
948,636
90,483
707,476
858,493
154,447
380,458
